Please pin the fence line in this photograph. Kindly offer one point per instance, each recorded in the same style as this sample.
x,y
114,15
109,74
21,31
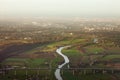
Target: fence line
x,y
62,68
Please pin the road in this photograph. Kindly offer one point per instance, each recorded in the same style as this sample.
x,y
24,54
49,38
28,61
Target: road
x,y
66,61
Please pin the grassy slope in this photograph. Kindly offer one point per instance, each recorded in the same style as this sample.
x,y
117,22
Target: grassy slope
x,y
74,56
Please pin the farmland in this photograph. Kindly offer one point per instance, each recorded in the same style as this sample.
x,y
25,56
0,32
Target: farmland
x,y
28,51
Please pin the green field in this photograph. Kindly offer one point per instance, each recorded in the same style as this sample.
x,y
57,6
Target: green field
x,y
93,49
73,52
75,55
53,46
110,57
25,62
68,75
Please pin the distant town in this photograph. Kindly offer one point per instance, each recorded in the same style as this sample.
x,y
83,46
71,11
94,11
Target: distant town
x,y
35,48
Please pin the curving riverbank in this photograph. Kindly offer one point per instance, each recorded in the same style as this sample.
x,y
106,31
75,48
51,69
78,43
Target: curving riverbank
x,y
66,61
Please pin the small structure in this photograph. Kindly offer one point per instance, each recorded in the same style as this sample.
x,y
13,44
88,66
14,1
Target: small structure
x,y
71,33
95,40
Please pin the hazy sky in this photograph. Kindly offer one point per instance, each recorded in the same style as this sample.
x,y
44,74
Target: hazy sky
x,y
60,7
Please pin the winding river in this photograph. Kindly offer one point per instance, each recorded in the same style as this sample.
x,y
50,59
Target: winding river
x,y
66,61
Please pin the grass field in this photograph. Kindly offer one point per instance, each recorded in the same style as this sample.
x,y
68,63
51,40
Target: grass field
x,y
73,53
110,57
74,56
52,46
68,75
25,62
93,49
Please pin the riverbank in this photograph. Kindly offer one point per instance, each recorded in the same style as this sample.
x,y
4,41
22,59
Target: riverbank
x,y
66,61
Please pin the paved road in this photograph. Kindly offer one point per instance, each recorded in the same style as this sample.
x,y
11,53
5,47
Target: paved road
x,y
66,61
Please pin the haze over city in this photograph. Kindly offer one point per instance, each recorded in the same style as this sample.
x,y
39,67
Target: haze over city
x,y
59,40
77,8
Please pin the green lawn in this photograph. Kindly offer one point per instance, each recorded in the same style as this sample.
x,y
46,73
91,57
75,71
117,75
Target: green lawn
x,y
68,75
52,46
93,49
110,57
25,62
74,56
73,52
